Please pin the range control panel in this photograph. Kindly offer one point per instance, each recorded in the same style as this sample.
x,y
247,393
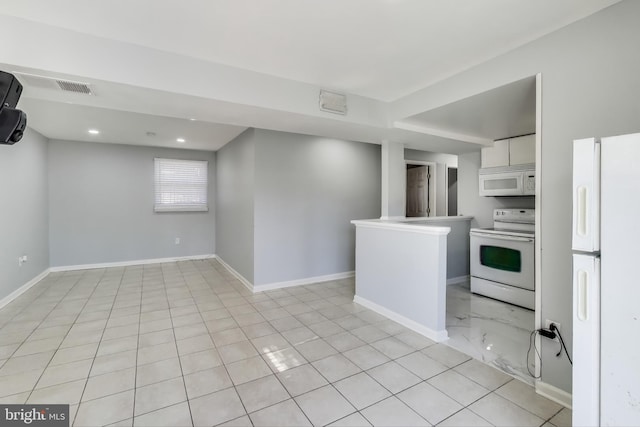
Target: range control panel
x,y
526,216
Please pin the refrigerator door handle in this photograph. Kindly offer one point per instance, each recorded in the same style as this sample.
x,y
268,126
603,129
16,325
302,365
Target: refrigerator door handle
x,y
582,228
583,292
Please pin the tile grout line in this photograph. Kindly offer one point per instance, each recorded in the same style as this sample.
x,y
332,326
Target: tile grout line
x,y
224,365
73,324
310,363
233,384
99,342
280,381
41,322
135,373
215,347
362,370
184,382
272,373
37,285
231,286
275,374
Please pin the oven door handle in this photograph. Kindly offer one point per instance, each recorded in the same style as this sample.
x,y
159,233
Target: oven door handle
x,y
502,237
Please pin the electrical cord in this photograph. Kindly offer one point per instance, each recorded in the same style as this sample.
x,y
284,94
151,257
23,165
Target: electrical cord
x,y
532,343
553,328
550,333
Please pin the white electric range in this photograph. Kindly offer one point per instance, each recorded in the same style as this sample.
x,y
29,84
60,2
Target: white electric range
x,y
503,258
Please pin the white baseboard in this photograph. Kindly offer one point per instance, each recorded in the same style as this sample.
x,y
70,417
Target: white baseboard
x,y
305,281
434,335
459,279
237,275
554,393
279,285
24,288
129,263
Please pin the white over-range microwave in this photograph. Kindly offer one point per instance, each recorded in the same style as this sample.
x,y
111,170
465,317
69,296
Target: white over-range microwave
x,y
507,182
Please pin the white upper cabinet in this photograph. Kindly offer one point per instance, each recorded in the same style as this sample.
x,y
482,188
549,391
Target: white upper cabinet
x,y
509,152
522,150
498,155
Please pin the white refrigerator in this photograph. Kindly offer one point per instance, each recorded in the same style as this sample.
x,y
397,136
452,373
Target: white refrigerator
x,y
606,286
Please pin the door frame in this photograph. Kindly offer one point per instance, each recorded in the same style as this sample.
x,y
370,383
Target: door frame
x,y
432,185
538,227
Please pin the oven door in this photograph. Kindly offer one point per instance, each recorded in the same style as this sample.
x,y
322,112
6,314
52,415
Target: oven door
x,y
503,259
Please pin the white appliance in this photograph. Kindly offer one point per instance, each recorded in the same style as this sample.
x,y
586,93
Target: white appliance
x,y
503,259
507,181
606,290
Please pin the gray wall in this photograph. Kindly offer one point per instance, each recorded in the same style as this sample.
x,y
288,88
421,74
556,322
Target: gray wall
x,y
442,161
24,223
308,189
469,200
457,244
590,87
234,203
101,200
404,273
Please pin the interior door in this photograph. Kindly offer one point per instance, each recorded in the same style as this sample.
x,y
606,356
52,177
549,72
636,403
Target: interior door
x,y
417,191
452,191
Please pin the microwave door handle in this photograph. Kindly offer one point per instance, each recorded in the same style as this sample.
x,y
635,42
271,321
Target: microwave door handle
x,y
499,237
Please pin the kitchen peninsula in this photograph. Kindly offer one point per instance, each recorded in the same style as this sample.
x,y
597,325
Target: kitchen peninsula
x,y
403,265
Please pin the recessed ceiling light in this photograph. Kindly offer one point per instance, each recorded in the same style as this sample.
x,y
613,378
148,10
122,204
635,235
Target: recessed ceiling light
x,y
94,131
192,119
180,140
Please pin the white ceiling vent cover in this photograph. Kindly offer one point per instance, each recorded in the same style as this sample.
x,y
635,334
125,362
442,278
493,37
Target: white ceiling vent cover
x,y
333,102
55,84
74,87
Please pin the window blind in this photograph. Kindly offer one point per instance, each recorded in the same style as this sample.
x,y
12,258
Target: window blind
x,y
180,185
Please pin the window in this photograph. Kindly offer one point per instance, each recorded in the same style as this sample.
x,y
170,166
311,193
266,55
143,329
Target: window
x,y
505,259
181,185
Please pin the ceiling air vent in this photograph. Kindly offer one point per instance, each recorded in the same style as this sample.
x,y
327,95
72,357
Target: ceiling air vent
x,y
74,87
333,102
55,84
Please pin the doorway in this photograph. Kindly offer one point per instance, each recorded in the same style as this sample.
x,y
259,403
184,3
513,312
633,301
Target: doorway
x,y
420,189
452,191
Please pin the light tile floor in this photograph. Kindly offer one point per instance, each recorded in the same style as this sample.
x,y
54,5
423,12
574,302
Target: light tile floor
x,y
183,344
493,331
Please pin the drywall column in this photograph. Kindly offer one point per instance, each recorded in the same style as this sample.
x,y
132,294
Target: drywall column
x,y
401,273
393,180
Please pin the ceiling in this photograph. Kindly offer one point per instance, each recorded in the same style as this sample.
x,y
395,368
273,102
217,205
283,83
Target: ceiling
x,y
233,64
72,122
502,112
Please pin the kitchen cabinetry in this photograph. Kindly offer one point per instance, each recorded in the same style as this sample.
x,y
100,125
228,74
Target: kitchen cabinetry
x,y
522,150
509,152
498,155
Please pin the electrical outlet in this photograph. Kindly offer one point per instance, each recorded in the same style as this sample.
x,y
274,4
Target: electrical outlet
x,y
547,324
177,241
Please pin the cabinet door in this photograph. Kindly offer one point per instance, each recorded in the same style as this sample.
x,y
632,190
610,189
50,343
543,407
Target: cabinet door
x,y
522,150
498,155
